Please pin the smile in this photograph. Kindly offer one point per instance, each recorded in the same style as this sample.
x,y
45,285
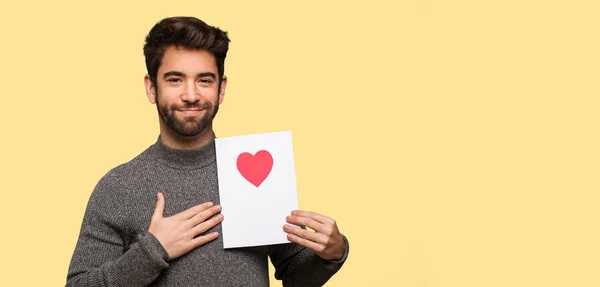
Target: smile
x,y
189,112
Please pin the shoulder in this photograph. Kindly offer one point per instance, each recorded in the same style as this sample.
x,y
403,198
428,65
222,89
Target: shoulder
x,y
118,193
123,179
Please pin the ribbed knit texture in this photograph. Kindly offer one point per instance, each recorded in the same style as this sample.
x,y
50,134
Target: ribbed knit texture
x,y
115,248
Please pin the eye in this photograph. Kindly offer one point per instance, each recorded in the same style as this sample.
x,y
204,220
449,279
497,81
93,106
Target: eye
x,y
173,80
205,81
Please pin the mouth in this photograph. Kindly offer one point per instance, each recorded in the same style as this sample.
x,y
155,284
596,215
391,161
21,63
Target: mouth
x,y
190,112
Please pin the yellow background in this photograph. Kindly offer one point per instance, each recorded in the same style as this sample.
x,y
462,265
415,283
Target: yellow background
x,y
455,142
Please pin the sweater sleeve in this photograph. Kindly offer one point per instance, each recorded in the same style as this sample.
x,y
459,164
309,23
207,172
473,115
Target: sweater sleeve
x,y
101,257
296,265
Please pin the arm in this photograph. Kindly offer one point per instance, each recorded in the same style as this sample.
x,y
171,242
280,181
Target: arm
x,y
312,257
99,258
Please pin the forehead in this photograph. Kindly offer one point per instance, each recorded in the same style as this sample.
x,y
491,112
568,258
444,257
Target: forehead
x,y
187,61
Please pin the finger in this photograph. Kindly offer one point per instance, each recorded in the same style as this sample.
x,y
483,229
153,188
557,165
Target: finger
x,y
318,217
189,213
303,233
160,206
201,240
206,225
316,247
305,221
203,215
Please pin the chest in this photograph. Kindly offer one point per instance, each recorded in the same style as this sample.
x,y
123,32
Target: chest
x,y
181,189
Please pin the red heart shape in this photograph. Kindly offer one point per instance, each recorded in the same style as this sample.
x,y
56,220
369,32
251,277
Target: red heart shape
x,y
255,168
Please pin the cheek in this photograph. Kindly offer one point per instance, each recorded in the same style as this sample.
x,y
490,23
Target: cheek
x,y
168,95
210,94
163,109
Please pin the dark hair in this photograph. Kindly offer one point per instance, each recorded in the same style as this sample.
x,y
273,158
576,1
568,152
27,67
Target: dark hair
x,y
188,33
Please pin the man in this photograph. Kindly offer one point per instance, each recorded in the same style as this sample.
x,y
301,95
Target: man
x,y
155,219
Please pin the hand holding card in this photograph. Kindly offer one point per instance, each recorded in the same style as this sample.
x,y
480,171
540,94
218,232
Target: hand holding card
x,y
326,240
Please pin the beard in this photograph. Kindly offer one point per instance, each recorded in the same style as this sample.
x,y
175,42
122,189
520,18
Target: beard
x,y
188,125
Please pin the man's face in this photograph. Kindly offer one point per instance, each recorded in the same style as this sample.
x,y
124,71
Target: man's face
x,y
187,94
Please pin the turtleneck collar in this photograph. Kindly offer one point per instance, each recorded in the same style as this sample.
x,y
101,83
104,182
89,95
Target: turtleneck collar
x,y
183,159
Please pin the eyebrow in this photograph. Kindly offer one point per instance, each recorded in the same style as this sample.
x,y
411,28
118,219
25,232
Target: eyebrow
x,y
180,74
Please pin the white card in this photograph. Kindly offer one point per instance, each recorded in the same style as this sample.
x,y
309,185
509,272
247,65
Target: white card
x,y
257,187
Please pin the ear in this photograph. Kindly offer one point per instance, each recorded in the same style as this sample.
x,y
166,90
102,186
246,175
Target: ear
x,y
150,89
222,91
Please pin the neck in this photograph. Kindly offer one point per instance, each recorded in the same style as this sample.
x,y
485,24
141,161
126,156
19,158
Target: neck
x,y
183,159
176,141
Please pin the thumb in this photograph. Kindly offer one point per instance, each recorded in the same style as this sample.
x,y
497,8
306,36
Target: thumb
x,y
160,206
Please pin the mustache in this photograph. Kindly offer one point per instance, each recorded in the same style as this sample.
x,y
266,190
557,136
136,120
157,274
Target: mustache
x,y
189,106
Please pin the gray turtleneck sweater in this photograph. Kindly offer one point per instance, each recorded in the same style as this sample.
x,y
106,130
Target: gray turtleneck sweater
x,y
115,248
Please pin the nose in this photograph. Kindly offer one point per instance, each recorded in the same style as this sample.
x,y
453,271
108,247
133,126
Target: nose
x,y
191,94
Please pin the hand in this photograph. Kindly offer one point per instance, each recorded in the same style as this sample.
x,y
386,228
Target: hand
x,y
177,233
326,240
